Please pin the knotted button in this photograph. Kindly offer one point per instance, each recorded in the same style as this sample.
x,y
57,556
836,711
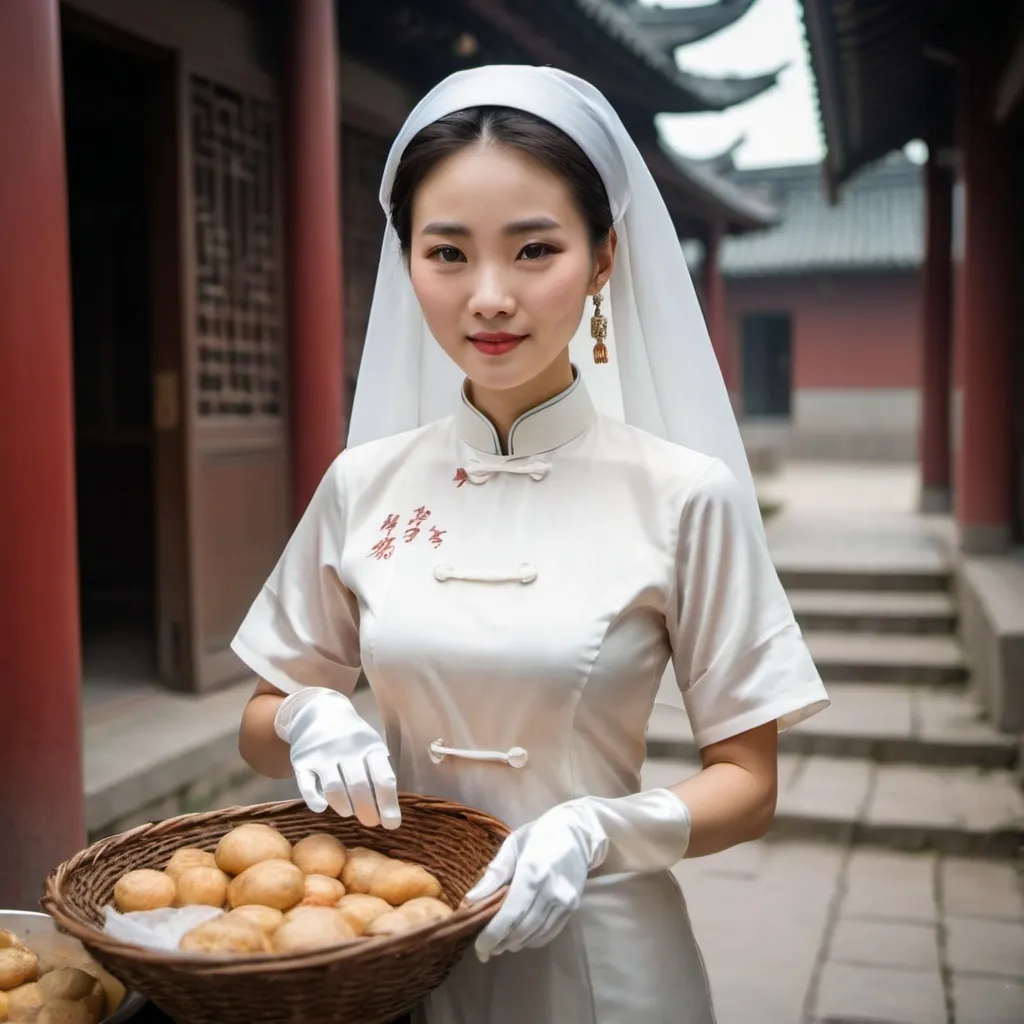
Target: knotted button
x,y
526,573
514,757
479,471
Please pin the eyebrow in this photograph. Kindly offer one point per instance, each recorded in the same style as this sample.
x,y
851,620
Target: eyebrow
x,y
516,227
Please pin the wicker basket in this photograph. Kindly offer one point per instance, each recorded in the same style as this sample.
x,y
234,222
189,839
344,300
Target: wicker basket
x,y
365,982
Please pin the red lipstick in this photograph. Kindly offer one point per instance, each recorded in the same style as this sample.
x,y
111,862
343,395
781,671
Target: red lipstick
x,y
495,343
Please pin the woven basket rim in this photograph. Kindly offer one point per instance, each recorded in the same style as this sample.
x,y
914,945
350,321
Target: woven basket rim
x,y
71,920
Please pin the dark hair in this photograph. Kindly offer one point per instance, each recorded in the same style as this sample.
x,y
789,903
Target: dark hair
x,y
532,135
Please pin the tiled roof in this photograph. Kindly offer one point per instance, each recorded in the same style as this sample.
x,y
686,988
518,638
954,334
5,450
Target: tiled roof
x,y
695,92
878,223
671,27
747,208
877,85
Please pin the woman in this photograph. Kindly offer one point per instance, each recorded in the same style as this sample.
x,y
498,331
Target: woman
x,y
513,569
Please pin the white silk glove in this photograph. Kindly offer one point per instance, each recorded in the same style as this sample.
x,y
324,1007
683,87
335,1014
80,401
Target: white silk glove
x,y
339,759
549,860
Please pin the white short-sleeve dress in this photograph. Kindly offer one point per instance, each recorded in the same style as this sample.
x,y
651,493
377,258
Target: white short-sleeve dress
x,y
533,601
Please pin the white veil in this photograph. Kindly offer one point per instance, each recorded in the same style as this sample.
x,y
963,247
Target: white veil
x,y
663,375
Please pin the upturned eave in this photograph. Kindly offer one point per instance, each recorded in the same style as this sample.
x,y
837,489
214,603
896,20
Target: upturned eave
x,y
668,28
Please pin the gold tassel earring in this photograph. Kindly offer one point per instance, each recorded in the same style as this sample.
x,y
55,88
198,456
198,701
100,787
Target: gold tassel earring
x,y
599,331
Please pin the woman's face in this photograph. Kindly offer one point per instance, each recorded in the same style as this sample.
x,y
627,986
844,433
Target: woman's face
x,y
502,263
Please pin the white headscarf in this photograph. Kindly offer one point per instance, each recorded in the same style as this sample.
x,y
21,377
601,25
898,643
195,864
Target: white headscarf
x,y
663,375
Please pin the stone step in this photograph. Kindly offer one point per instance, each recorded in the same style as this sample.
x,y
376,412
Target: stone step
x,y
866,611
959,811
795,576
883,722
886,658
161,753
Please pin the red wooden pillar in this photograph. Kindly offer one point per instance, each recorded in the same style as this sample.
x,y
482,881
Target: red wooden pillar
x,y
937,354
714,305
984,474
959,320
41,806
314,257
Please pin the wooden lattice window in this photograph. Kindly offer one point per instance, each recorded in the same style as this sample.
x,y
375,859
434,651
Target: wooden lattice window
x,y
239,309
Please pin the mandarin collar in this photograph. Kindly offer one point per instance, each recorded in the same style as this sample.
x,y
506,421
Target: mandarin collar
x,y
550,425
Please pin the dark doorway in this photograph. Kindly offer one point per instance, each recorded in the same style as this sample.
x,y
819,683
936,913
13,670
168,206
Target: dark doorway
x,y
363,158
767,384
1017,348
107,96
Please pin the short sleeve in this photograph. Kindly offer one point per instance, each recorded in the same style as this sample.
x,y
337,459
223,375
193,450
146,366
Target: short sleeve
x,y
739,656
303,627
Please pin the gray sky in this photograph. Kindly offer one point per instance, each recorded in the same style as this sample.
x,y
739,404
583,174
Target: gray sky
x,y
781,126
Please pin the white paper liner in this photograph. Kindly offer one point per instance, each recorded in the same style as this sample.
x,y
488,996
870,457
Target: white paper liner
x,y
157,929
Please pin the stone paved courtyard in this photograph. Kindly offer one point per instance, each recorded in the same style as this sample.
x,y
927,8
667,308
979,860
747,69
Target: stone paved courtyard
x,y
815,933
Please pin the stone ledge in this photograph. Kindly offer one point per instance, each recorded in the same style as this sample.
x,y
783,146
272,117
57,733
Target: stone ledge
x,y
874,611
886,658
795,575
165,754
991,598
959,811
888,723
171,754
885,723
227,787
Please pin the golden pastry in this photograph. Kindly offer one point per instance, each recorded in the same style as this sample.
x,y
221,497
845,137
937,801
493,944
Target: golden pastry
x,y
398,882
189,857
201,887
394,922
319,854
17,967
317,928
144,890
74,985
322,891
359,909
297,911
251,844
426,909
63,956
272,883
360,867
24,1002
416,913
65,1011
267,919
224,935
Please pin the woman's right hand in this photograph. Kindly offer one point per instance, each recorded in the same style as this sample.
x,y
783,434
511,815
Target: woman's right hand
x,y
339,760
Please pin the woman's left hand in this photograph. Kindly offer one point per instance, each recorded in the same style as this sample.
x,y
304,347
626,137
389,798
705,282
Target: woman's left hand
x,y
547,863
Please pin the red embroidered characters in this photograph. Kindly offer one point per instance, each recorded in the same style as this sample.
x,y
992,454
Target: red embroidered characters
x,y
461,477
385,547
420,516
